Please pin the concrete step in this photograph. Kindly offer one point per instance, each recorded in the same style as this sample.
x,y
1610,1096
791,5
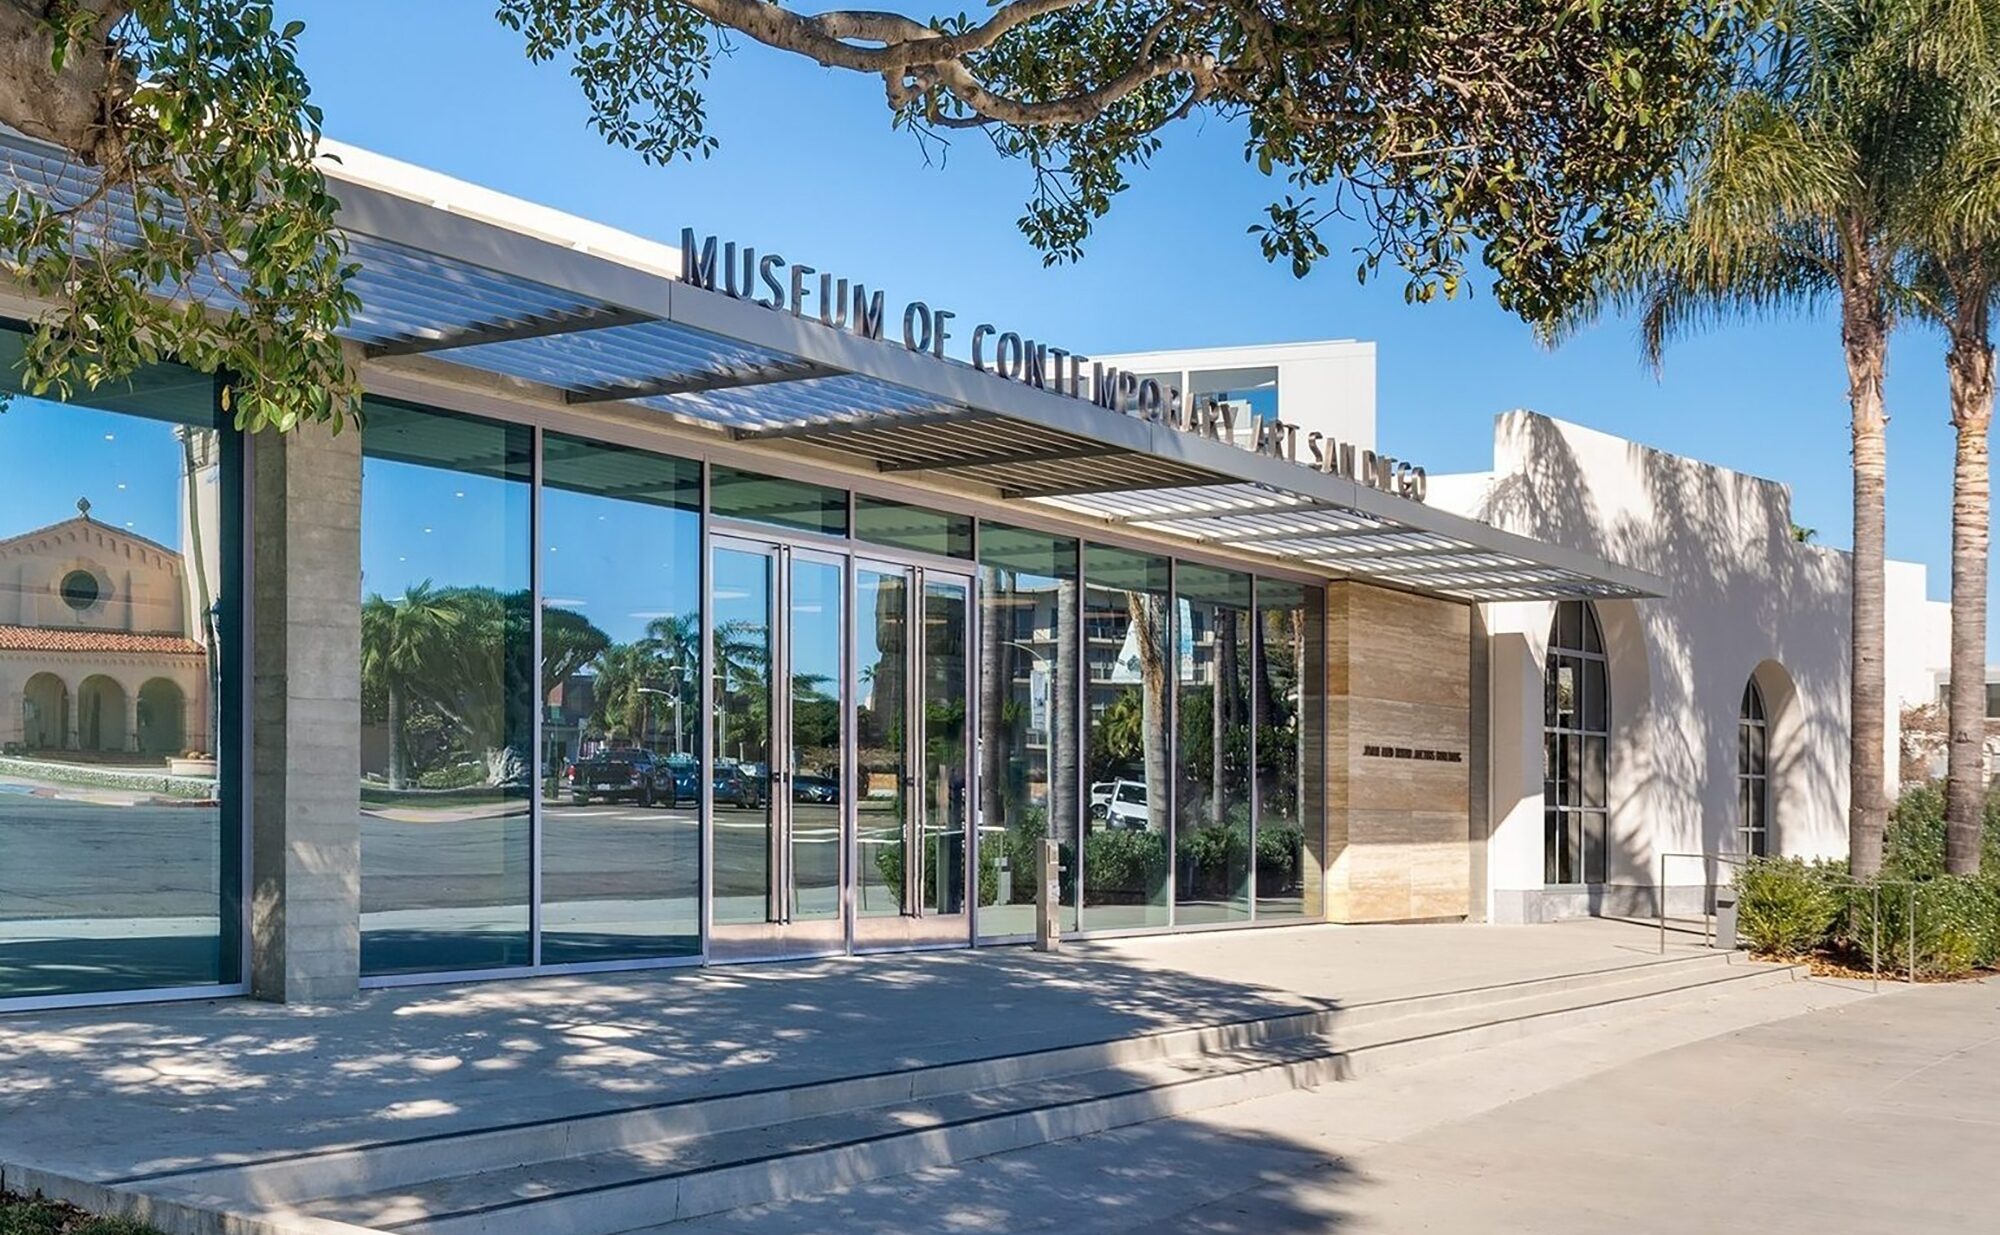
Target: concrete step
x,y
626,1170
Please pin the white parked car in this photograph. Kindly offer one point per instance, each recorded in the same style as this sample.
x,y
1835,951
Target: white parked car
x,y
1119,803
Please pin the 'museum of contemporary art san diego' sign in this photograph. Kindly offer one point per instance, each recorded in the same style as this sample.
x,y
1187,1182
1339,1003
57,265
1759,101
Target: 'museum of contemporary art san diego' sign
x,y
769,280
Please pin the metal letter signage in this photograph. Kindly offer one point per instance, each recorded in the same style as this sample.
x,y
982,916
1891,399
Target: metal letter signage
x,y
769,280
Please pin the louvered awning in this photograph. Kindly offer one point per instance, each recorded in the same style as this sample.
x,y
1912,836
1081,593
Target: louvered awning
x,y
474,293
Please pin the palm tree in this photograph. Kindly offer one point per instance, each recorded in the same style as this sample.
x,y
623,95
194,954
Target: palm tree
x,y
1799,193
404,642
1957,276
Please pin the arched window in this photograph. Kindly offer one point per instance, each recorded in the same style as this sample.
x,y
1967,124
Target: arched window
x,y
1576,741
1753,772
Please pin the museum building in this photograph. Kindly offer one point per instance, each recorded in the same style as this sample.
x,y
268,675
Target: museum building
x,y
684,605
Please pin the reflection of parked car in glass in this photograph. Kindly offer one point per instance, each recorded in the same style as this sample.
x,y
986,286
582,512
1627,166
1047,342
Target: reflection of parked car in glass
x,y
736,785
1119,803
686,780
816,789
621,776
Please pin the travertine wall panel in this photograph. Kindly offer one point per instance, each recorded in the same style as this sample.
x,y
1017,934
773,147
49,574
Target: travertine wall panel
x,y
1398,755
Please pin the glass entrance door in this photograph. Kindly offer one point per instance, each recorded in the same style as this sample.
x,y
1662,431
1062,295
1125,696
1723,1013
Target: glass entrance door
x,y
778,750
912,695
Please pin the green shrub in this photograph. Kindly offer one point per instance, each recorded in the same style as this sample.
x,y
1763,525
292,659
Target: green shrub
x,y
36,1217
1913,844
1785,907
1956,927
1214,861
1279,848
1125,863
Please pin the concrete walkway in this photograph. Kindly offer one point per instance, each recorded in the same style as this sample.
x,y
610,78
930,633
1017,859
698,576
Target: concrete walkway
x,y
1852,1115
107,1094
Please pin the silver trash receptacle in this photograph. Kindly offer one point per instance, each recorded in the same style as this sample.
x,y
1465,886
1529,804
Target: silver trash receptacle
x,y
1725,920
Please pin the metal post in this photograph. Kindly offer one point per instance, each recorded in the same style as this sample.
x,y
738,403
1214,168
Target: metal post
x,y
1660,900
1913,934
1048,895
1875,951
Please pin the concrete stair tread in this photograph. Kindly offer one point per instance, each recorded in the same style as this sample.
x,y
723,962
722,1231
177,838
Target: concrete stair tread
x,y
689,1155
756,1162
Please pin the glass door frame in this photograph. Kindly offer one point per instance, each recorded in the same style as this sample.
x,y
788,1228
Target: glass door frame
x,y
914,927
778,937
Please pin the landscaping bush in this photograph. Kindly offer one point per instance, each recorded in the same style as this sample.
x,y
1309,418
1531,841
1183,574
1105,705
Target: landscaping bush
x,y
1214,860
1279,848
34,1216
1786,907
1913,845
1957,926
1125,863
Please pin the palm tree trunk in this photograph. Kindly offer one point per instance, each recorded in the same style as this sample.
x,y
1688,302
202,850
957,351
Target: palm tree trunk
x,y
1970,366
1865,336
396,775
996,687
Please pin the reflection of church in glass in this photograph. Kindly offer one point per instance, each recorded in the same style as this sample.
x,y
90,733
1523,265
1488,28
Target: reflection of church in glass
x,y
103,636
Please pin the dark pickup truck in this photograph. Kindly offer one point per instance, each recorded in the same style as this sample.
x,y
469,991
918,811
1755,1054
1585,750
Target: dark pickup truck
x,y
623,776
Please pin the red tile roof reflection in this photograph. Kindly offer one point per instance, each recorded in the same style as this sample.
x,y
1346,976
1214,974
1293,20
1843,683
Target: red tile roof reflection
x,y
59,639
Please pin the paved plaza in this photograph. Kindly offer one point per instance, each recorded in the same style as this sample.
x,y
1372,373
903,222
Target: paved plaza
x,y
1805,1106
1843,1116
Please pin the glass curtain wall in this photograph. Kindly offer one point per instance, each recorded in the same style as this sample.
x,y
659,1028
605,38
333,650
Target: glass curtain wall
x,y
1029,660
621,703
1212,707
448,688
1126,833
120,553
1288,723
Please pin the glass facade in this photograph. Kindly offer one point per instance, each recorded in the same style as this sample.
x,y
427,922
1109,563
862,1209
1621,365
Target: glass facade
x,y
1212,705
580,738
1030,591
621,703
1287,728
1576,740
120,624
448,692
1128,736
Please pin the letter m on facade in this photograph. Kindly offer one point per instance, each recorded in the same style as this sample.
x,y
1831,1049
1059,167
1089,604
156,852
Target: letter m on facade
x,y
697,263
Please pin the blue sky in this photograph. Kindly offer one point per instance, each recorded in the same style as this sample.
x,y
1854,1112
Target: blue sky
x,y
809,167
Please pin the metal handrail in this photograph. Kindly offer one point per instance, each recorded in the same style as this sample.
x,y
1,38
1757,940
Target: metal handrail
x,y
1874,921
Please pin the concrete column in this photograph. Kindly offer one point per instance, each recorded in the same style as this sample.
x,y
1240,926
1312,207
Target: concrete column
x,y
305,843
132,722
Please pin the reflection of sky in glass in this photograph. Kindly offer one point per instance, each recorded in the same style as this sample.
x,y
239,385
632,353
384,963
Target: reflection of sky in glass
x,y
53,454
619,564
452,528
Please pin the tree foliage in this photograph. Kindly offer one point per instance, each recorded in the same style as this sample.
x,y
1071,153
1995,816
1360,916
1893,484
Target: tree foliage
x,y
197,226
1524,134
1527,135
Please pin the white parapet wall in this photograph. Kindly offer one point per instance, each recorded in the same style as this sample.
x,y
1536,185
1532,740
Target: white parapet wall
x,y
1748,601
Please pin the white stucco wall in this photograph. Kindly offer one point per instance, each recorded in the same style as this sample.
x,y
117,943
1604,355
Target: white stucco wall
x,y
1746,599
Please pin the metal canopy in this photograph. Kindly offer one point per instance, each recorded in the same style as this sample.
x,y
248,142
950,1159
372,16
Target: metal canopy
x,y
476,294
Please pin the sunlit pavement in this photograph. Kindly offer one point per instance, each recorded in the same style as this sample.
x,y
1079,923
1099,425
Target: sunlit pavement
x,y
1868,1115
105,1093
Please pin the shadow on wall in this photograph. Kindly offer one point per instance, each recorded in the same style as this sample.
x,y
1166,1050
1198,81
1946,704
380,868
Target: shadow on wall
x,y
1745,598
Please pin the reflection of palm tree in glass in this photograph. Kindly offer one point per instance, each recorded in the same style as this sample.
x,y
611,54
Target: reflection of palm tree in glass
x,y
402,643
743,675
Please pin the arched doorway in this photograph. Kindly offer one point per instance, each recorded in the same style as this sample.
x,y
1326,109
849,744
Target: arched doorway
x,y
162,717
100,714
45,713
1576,737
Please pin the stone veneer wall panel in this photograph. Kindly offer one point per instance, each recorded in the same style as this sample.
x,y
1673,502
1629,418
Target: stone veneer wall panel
x,y
1399,678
